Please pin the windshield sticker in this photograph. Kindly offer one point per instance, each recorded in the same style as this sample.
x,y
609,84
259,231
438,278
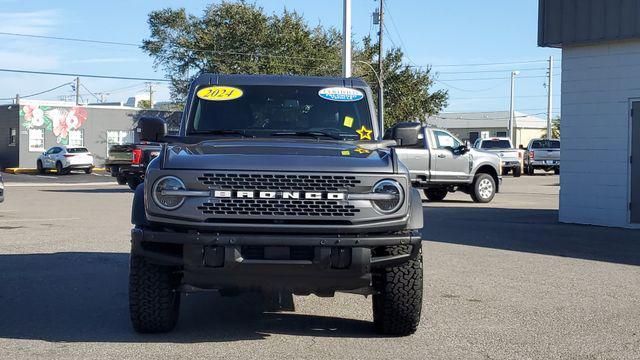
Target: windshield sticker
x,y
341,94
348,121
219,93
345,153
365,134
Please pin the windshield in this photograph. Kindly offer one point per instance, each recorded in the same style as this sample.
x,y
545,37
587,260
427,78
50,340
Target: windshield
x,y
496,144
77,150
266,110
545,144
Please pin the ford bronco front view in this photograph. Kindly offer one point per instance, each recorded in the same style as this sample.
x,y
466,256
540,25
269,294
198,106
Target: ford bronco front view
x,y
275,184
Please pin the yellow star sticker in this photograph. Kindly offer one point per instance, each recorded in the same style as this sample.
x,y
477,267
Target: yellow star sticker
x,y
365,134
361,151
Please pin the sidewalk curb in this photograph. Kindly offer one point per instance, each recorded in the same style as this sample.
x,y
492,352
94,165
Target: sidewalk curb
x,y
35,171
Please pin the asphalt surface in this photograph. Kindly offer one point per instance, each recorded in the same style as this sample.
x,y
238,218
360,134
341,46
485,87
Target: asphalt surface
x,y
502,281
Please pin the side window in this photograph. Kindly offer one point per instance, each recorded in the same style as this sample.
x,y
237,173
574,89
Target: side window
x,y
12,137
445,140
36,140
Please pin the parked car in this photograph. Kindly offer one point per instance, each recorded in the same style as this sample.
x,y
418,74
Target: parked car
x,y
439,163
128,163
1,189
63,159
511,157
542,154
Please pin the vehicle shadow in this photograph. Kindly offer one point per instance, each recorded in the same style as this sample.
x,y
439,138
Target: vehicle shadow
x,y
82,297
530,230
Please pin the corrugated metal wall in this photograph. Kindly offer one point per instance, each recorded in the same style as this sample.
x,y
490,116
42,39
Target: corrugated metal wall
x,y
568,22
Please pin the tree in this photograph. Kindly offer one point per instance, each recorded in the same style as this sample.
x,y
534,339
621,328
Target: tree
x,y
555,128
144,104
239,37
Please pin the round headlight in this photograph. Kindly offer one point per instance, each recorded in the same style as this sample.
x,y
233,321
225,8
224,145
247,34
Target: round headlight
x,y
391,203
164,200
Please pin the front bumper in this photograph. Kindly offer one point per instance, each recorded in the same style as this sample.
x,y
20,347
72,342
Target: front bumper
x,y
323,263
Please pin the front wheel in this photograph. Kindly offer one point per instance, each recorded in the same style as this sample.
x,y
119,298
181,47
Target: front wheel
x,y
154,302
397,299
435,194
484,188
88,170
40,167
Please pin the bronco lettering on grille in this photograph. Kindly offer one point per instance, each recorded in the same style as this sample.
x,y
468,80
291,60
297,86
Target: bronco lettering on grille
x,y
255,194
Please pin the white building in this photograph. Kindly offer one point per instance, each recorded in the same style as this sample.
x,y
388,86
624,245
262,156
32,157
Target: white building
x,y
600,41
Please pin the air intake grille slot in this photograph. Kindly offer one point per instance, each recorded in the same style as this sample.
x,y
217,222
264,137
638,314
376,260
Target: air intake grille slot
x,y
278,207
278,182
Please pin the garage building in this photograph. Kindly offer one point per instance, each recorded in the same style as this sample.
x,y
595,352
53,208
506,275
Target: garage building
x,y
32,126
473,125
600,41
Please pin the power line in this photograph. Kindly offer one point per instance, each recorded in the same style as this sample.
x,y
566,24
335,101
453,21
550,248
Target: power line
x,y
70,39
80,75
471,90
500,78
90,93
41,92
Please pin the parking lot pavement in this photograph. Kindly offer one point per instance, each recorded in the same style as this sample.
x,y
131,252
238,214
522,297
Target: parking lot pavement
x,y
502,280
76,177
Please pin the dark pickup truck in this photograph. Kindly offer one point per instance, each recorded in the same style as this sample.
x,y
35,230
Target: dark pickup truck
x,y
128,162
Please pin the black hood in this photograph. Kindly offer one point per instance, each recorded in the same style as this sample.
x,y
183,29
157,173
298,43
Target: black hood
x,y
280,155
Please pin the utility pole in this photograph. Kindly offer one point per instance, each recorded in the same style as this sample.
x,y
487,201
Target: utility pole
x,y
78,90
550,99
380,69
346,39
511,108
150,95
17,99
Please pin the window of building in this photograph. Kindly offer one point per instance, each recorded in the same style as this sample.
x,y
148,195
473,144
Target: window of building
x,y
119,137
12,137
76,138
36,140
501,134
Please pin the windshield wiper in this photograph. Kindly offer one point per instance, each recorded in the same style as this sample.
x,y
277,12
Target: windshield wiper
x,y
222,132
315,134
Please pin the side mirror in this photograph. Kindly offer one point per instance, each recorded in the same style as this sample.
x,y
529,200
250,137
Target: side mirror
x,y
461,150
151,129
404,133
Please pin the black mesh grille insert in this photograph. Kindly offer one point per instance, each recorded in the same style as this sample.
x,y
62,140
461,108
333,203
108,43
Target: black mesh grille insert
x,y
278,182
278,207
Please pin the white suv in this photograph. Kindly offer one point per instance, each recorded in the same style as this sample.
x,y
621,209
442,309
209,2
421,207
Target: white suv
x,y
65,159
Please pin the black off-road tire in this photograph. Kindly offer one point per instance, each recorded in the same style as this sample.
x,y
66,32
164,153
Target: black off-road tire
x,y
60,170
122,180
530,170
556,171
154,302
479,182
88,170
505,172
133,183
517,172
397,299
435,194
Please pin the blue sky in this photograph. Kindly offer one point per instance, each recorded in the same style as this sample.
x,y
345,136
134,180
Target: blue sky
x,y
450,35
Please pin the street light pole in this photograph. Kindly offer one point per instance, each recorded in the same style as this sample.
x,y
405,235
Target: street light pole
x,y
550,99
511,107
346,39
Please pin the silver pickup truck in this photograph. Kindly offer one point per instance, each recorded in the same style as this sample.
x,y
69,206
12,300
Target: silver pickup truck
x,y
501,146
542,154
439,163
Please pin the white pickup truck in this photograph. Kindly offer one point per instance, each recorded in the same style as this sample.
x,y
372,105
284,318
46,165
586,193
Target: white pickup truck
x,y
511,157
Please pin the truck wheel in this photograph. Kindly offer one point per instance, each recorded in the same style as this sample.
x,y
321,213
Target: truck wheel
x,y
530,170
397,299
484,188
556,171
122,180
60,170
154,303
505,172
517,172
88,170
435,194
133,183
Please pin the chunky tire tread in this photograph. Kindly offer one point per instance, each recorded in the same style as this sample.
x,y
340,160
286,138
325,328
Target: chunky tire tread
x,y
435,194
154,303
517,172
397,301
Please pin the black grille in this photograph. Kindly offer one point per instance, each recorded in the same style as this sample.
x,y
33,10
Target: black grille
x,y
278,207
278,182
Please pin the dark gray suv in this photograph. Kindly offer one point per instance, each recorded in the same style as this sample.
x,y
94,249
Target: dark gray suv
x,y
276,184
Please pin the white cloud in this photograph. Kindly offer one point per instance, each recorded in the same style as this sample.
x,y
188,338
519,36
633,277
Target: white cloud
x,y
32,22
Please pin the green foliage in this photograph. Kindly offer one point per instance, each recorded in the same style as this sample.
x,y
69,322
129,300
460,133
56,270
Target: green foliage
x,y
144,104
555,128
239,38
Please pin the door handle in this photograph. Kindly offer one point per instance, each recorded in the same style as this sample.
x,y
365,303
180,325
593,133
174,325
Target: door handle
x,y
442,156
